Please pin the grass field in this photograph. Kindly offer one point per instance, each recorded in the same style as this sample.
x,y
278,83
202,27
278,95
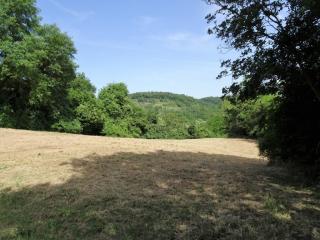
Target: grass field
x,y
60,186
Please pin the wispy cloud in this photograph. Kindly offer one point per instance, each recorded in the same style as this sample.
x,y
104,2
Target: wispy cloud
x,y
81,16
184,40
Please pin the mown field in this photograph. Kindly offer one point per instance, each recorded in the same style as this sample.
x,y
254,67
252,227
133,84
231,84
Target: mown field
x,y
61,186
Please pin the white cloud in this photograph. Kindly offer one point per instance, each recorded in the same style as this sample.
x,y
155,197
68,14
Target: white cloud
x,y
81,16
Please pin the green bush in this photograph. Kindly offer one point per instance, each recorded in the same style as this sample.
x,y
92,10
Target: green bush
x,y
198,130
115,100
216,125
116,129
91,117
72,126
159,131
248,118
6,119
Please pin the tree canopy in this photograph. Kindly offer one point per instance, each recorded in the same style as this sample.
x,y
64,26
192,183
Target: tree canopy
x,y
36,67
279,45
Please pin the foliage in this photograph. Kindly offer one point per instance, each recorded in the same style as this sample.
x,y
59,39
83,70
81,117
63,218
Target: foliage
x,y
248,118
41,90
36,66
80,91
133,125
189,107
91,116
116,128
217,125
179,116
6,117
279,49
73,126
17,18
124,118
198,130
115,100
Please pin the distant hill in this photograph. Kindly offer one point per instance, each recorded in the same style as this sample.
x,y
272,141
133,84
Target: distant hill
x,y
211,100
187,107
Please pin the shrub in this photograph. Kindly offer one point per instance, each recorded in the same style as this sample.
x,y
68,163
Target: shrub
x,y
116,128
91,117
6,119
198,130
292,135
68,126
217,126
248,118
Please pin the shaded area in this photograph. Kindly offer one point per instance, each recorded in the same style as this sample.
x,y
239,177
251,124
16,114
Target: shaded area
x,y
163,195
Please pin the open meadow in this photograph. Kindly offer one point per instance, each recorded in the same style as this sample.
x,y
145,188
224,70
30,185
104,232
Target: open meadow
x,y
63,186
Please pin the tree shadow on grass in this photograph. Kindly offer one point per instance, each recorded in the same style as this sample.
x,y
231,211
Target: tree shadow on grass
x,y
163,195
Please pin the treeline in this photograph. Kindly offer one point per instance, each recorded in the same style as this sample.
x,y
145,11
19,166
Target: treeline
x,y
40,87
42,90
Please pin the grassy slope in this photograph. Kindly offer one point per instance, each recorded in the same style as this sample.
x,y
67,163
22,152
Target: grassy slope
x,y
188,107
61,186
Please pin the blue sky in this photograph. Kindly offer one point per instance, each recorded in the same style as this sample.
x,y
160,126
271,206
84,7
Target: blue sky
x,y
149,45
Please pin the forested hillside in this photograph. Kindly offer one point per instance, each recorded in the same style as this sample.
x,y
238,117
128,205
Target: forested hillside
x,y
193,109
180,116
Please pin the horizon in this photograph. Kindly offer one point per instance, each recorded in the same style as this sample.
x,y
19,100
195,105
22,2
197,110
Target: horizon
x,y
130,93
147,46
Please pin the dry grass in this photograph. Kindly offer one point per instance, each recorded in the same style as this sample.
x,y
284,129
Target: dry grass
x,y
60,186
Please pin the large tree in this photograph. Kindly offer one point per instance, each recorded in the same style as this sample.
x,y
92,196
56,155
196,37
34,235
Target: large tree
x,y
279,45
36,67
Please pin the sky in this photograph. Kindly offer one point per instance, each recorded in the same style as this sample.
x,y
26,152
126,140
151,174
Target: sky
x,y
149,45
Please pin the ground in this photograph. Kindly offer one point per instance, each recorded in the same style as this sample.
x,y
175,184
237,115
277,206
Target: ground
x,y
62,186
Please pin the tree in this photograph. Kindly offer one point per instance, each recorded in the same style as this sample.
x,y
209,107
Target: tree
x,y
36,67
84,114
91,116
248,118
279,44
115,98
17,18
80,91
123,117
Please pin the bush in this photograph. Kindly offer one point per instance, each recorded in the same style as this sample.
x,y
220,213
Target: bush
x,y
198,130
91,117
292,135
248,118
6,119
116,129
68,126
217,126
160,131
